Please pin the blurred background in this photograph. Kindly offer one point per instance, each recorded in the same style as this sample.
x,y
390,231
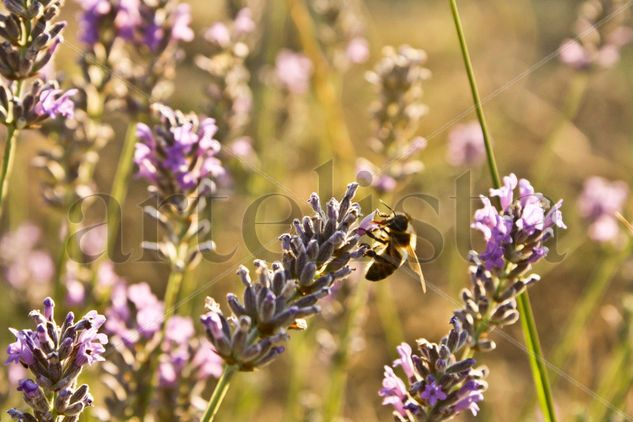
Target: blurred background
x,y
551,123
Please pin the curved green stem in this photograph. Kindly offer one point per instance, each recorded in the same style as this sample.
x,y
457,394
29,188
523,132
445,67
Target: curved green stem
x,y
120,187
528,325
7,164
219,392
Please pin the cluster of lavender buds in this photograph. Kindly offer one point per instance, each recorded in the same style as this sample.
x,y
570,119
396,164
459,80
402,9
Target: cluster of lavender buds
x,y
26,267
438,384
55,356
178,157
184,361
599,203
140,38
466,145
31,37
228,90
186,364
134,321
602,31
341,31
396,116
283,293
70,163
515,233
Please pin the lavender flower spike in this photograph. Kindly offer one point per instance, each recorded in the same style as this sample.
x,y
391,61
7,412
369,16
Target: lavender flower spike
x,y
55,356
438,385
314,257
516,232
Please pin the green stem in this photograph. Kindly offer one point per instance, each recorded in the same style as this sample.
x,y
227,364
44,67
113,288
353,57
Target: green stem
x,y
173,289
120,187
528,325
219,392
7,163
338,378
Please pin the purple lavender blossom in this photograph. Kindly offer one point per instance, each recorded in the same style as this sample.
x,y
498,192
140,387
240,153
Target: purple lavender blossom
x,y
438,384
293,71
55,356
394,392
135,313
180,154
466,145
598,203
432,392
597,46
519,228
25,265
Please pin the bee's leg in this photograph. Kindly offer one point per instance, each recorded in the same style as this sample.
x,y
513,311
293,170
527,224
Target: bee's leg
x,y
376,238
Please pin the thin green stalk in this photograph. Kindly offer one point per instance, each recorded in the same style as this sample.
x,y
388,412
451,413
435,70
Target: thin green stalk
x,y
528,325
120,187
7,164
173,290
219,392
338,375
388,313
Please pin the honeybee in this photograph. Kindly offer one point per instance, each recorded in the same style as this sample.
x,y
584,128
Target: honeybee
x,y
397,238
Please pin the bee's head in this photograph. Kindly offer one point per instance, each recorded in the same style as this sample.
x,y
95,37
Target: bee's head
x,y
399,222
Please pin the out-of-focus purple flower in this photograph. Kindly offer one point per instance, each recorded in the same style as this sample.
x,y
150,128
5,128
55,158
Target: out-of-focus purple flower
x,y
25,265
466,145
519,228
219,34
207,361
599,201
597,45
293,71
244,23
55,102
357,50
181,31
180,154
75,291
179,329
135,313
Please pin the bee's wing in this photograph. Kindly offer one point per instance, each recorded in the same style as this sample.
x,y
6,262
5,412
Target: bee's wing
x,y
415,266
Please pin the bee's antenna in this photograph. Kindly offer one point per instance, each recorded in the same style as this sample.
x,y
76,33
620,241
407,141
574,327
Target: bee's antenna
x,y
390,209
